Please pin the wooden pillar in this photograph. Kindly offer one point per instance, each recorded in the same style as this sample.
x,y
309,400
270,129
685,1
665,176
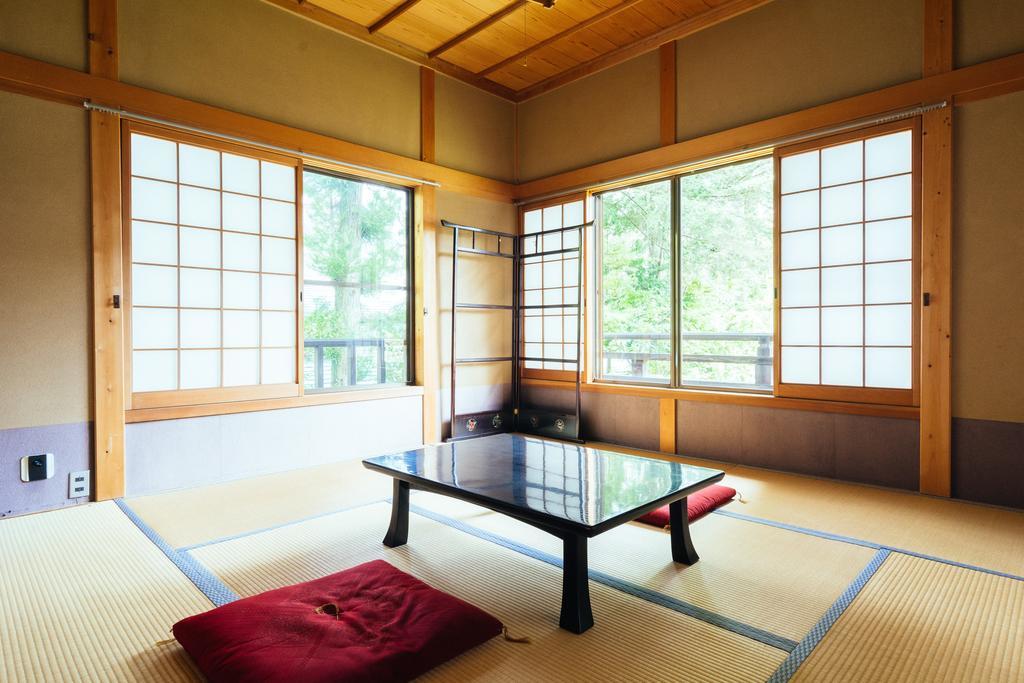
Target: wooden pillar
x,y
667,425
936,260
667,79
428,360
427,134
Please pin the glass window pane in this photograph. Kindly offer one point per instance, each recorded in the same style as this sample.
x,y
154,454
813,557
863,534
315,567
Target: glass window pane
x,y
842,163
888,368
278,218
154,243
532,221
800,365
241,329
154,158
889,283
278,255
888,198
241,213
154,328
241,252
278,292
800,249
842,204
553,217
889,240
800,326
241,367
800,172
800,211
200,288
154,201
573,213
842,326
199,166
241,174
200,248
277,366
154,286
200,329
154,370
199,207
842,286
278,181
889,154
842,245
888,325
200,369
241,290
800,288
278,329
842,366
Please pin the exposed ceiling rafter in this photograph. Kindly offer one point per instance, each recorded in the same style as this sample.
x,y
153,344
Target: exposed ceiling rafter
x,y
398,11
478,27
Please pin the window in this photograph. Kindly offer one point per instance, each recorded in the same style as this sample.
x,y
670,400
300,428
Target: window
x,y
356,282
847,236
212,250
685,279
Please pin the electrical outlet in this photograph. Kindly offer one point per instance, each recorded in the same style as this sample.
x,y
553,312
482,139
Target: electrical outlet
x,y
78,484
37,467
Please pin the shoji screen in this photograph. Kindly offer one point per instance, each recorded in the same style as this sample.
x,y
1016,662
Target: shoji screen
x,y
847,217
212,237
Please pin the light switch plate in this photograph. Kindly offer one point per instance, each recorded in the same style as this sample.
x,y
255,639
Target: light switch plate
x,y
78,484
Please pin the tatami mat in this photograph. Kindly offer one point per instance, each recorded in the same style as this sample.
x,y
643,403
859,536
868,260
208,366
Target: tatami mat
x,y
85,596
632,640
918,620
769,578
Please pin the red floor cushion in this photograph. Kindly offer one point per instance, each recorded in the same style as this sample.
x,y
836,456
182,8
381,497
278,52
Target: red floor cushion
x,y
697,505
368,623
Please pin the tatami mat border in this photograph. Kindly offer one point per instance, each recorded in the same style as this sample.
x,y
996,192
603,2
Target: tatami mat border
x,y
811,640
205,580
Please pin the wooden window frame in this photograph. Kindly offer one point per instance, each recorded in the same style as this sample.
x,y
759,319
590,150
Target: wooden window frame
x,y
870,395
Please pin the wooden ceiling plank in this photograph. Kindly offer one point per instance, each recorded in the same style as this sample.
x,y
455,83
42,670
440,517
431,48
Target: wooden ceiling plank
x,y
398,11
477,28
600,16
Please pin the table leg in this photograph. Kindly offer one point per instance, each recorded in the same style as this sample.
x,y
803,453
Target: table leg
x,y
679,526
398,532
576,615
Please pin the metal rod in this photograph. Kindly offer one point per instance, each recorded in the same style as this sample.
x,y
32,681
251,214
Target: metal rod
x,y
536,306
488,307
516,331
551,253
484,252
492,359
449,224
262,145
579,334
455,282
550,360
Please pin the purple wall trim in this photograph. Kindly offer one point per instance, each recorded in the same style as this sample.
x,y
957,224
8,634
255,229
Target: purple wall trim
x,y
988,458
71,448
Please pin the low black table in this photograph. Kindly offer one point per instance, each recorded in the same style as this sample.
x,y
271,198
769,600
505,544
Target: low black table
x,y
572,491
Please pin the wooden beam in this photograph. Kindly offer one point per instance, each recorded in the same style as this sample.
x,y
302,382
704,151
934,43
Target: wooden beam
x,y
398,11
937,261
50,80
1005,72
674,32
427,112
597,18
314,13
478,27
427,349
108,328
667,425
667,92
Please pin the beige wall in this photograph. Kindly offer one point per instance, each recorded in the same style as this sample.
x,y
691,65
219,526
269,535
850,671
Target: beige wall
x,y
51,30
608,115
475,131
793,54
988,260
987,29
44,263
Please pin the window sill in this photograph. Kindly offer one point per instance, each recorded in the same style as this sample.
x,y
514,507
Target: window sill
x,y
738,398
229,408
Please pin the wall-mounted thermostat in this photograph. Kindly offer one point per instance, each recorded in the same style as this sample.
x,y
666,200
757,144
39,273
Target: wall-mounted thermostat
x,y
37,467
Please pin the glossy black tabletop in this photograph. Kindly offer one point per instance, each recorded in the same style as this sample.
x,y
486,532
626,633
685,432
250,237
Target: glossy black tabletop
x,y
583,486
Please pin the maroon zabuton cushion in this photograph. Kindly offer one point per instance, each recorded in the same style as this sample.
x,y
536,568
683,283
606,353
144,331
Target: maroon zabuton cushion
x,y
368,623
697,505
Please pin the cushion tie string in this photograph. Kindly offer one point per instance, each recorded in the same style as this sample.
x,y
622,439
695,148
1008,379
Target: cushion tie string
x,y
513,639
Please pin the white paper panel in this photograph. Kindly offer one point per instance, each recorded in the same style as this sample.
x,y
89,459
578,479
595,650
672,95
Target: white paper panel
x,y
154,328
278,366
800,326
241,329
241,367
799,365
200,288
841,285
573,213
200,369
842,163
200,329
842,366
241,252
843,326
241,174
532,329
551,242
888,325
552,328
278,255
153,200
553,297
553,274
532,350
199,166
571,272
570,328
278,329
800,249
571,239
532,221
571,295
800,288
532,298
889,240
841,245
241,213
889,154
154,243
200,248
154,286
278,181
200,207
842,204
889,283
800,211
531,276
154,158
278,292
800,172
278,218
553,217
888,198
241,290
530,245
888,368
154,370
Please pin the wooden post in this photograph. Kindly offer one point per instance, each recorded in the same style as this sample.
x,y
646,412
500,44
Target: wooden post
x,y
667,77
936,261
427,131
425,314
667,425
108,341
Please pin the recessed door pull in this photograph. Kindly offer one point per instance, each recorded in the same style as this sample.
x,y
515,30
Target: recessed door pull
x,y
926,299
